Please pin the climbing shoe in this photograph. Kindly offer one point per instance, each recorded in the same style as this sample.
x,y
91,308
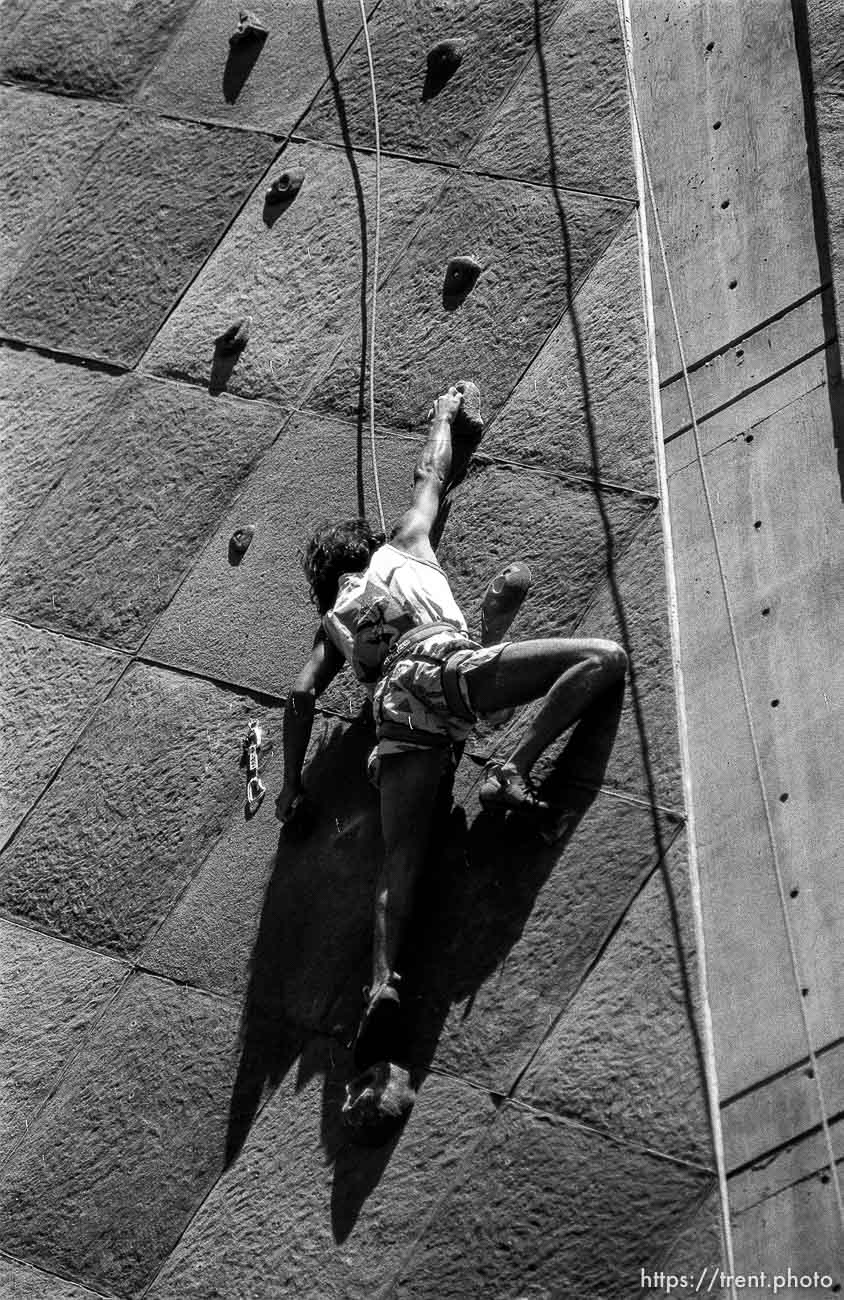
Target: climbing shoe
x,y
503,791
503,599
377,1038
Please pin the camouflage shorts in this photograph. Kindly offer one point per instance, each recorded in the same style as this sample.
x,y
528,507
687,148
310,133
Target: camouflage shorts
x,y
422,697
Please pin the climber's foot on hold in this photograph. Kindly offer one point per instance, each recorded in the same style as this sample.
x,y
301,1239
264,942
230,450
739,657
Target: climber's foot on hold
x,y
468,420
503,789
378,1102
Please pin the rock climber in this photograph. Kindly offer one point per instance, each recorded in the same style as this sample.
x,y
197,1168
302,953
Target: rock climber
x,y
387,610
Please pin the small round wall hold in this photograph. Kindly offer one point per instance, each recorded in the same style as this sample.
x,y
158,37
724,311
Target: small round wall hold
x,y
235,338
241,538
445,58
285,187
443,61
460,278
249,28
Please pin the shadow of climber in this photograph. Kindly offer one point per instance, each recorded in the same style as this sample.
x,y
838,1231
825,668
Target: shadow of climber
x,y
312,950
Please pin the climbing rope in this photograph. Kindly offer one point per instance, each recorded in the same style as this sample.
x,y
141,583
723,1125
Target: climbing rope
x,y
375,262
792,947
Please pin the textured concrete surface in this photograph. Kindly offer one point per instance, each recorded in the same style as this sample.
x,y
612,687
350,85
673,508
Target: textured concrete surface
x,y
25,1283
605,431
183,1137
92,47
299,280
47,690
303,1213
568,1185
647,968
56,992
47,146
254,624
105,550
144,1106
565,120
110,847
112,261
514,232
496,39
46,409
265,85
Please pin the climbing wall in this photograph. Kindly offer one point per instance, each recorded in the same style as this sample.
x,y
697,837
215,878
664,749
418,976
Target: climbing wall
x,y
180,983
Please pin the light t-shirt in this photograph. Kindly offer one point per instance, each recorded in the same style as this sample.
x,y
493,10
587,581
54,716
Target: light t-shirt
x,y
374,608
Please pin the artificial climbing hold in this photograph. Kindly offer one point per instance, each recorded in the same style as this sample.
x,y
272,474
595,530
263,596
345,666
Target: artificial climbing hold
x,y
443,61
285,187
235,338
239,542
249,28
460,278
468,419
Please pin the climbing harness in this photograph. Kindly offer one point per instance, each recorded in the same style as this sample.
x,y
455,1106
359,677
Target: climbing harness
x,y
792,948
375,265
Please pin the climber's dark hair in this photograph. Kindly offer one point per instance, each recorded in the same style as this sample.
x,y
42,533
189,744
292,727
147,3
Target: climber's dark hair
x,y
335,549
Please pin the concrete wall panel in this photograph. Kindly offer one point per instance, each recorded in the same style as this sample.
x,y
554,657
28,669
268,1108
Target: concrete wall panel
x,y
265,85
49,686
106,1181
302,1213
629,1021
45,409
496,39
254,624
107,547
109,849
252,924
571,1186
508,927
154,202
796,1231
514,233
25,1283
299,281
577,81
545,421
780,575
52,994
732,266
91,47
47,146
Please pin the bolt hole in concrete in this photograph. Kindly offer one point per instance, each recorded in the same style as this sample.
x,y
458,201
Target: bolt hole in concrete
x,y
758,524
748,437
783,798
716,126
810,1074
733,284
766,611
710,47
775,704
725,203
794,893
804,993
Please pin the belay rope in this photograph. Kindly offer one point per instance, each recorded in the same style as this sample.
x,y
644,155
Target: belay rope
x,y
375,263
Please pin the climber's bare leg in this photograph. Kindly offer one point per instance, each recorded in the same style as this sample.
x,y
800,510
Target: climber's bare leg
x,y
570,673
408,783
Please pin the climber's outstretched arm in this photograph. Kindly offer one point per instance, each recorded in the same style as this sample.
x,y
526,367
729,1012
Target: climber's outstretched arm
x,y
322,666
430,480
